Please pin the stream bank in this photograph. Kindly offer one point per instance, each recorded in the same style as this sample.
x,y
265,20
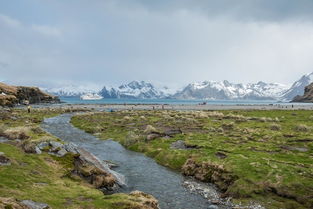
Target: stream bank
x,y
141,173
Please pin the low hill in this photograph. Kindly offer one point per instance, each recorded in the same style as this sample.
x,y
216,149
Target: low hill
x,y
12,95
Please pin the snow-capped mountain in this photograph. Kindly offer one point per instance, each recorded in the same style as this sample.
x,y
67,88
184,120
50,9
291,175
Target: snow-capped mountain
x,y
297,88
225,90
71,90
212,90
134,90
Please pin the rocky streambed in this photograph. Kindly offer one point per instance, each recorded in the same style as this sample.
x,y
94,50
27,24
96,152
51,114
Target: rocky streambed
x,y
140,172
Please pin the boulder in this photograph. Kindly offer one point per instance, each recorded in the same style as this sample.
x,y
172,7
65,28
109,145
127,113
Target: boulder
x,y
180,144
43,145
61,152
34,205
55,146
71,147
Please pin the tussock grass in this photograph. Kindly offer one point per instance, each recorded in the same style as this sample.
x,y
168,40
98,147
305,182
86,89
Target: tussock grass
x,y
127,118
302,128
228,126
131,139
150,129
236,117
215,114
275,127
3,128
17,133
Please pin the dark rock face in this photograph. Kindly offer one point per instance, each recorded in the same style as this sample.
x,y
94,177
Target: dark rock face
x,y
12,95
34,95
308,95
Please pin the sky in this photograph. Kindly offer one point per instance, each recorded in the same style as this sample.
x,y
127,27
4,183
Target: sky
x,y
53,43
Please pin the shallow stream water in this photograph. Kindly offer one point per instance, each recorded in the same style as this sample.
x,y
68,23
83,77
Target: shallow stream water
x,y
141,172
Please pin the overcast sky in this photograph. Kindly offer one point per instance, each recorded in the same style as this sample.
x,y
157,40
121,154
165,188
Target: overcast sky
x,y
172,42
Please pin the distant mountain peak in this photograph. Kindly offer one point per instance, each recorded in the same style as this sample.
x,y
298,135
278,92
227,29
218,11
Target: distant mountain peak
x,y
207,89
133,89
225,90
297,87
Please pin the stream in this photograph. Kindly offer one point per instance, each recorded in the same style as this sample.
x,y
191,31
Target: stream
x,y
141,172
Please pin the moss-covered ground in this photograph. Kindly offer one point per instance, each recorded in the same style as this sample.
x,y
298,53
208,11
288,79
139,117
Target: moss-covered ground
x,y
268,152
45,178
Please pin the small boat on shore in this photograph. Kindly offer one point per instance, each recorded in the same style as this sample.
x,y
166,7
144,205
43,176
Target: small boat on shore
x,y
91,96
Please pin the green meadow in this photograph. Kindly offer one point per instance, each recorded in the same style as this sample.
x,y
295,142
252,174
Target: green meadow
x,y
264,156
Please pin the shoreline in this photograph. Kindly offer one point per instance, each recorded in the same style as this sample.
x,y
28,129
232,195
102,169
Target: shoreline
x,y
208,107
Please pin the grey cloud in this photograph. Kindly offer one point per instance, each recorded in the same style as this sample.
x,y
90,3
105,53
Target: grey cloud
x,y
247,10
3,65
170,42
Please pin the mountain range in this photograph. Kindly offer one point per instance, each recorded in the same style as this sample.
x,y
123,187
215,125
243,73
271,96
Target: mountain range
x,y
206,90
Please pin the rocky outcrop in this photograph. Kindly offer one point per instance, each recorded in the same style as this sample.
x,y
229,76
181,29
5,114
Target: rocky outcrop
x,y
308,95
12,95
96,172
8,100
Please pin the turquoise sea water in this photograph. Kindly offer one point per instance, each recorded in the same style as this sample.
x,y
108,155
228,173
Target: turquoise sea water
x,y
77,100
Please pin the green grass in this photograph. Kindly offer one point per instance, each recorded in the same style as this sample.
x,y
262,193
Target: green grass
x,y
42,178
271,165
45,178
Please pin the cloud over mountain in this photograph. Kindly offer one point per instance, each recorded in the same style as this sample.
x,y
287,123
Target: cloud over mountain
x,y
171,42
